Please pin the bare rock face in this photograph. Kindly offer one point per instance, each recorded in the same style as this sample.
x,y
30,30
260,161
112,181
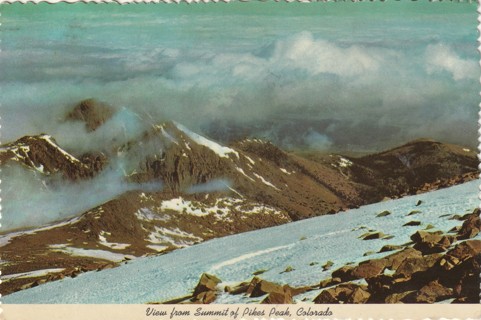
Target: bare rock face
x,y
93,112
42,154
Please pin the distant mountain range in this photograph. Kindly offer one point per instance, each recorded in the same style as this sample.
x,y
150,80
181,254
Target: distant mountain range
x,y
208,190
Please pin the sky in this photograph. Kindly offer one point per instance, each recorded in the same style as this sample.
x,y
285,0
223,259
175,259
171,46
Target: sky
x,y
335,76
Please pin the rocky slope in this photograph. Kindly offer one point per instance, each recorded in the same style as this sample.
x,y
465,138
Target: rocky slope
x,y
435,267
208,190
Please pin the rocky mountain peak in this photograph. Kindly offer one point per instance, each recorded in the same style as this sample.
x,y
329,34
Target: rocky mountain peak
x,y
91,111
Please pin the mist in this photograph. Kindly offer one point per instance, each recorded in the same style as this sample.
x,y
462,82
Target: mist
x,y
302,76
328,72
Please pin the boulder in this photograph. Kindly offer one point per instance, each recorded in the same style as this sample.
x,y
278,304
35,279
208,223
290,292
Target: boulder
x,y
432,292
205,297
412,224
359,295
279,297
431,242
373,235
327,265
462,252
413,212
383,214
394,260
238,289
207,282
399,297
412,265
344,273
471,226
329,282
390,247
369,268
340,293
263,287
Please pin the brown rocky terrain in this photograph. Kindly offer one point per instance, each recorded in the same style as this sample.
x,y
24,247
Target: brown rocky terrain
x,y
436,267
208,190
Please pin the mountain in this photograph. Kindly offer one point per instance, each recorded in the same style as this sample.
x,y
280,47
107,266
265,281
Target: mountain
x,y
42,154
185,189
307,256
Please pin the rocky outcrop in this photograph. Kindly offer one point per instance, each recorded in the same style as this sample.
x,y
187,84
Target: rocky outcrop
x,y
92,112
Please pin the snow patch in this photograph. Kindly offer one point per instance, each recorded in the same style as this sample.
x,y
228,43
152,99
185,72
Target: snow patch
x,y
113,245
32,274
264,181
343,162
244,174
221,151
99,254
285,171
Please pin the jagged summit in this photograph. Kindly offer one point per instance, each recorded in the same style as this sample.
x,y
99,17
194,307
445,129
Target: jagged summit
x,y
41,153
91,111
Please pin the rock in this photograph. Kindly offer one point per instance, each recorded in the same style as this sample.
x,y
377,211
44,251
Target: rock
x,y
383,214
327,265
444,215
390,247
359,295
374,235
205,297
326,296
329,282
258,272
369,269
394,260
92,112
275,297
263,287
462,252
313,263
471,226
288,269
429,226
207,282
412,224
419,203
254,282
240,288
412,265
431,242
399,297
368,253
340,293
455,229
344,273
433,292
413,212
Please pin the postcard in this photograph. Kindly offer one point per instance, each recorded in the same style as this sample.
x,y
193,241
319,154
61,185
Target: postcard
x,y
240,160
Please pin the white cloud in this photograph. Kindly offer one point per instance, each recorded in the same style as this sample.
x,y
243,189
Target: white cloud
x,y
440,57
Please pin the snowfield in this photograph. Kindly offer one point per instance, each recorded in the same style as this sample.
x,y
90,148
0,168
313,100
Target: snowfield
x,y
235,258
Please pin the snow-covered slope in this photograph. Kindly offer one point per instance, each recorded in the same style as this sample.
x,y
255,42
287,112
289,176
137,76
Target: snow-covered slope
x,y
235,258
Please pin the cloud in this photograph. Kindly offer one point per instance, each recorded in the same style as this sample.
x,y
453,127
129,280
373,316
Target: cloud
x,y
440,58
